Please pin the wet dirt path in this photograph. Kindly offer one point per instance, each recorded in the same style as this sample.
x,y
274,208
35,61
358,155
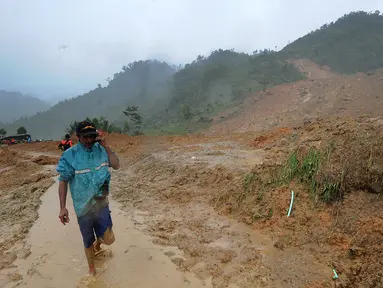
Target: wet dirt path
x,y
177,193
57,256
168,233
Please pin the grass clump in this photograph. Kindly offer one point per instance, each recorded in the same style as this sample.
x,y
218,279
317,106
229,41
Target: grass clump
x,y
307,168
330,191
290,170
248,180
310,166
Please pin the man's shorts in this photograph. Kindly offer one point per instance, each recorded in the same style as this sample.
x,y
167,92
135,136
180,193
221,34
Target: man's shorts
x,y
94,223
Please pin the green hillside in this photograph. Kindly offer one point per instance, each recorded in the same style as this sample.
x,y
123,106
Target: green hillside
x,y
175,99
142,83
14,105
354,43
226,78
167,98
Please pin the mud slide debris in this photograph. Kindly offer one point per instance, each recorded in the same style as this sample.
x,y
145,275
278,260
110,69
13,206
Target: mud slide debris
x,y
215,206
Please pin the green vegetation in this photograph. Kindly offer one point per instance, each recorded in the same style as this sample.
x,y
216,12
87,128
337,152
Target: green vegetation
x,y
354,43
186,100
225,78
104,125
72,128
248,180
290,170
135,120
304,170
307,170
3,132
100,123
145,84
21,130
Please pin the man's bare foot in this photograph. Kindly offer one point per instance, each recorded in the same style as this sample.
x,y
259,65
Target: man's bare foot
x,y
92,271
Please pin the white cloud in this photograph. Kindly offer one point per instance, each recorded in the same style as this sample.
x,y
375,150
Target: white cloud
x,y
98,37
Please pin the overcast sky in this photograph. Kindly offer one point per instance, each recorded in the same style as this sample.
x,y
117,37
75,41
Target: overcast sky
x,y
51,47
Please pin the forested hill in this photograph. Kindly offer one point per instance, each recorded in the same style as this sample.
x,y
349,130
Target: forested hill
x,y
209,84
143,83
166,96
14,105
354,43
169,96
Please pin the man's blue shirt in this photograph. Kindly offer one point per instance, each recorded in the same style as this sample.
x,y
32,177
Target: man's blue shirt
x,y
86,170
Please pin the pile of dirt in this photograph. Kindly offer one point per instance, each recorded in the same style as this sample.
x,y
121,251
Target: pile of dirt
x,y
350,151
267,138
7,157
339,233
46,146
45,160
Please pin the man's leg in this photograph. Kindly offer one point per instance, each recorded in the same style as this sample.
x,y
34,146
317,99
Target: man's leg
x,y
86,223
103,228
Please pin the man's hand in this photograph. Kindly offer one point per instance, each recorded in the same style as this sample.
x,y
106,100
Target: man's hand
x,y
64,216
102,140
114,162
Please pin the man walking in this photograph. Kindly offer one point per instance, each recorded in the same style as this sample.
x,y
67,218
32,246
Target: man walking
x,y
85,167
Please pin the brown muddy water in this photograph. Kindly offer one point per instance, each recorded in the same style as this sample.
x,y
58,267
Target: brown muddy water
x,y
57,257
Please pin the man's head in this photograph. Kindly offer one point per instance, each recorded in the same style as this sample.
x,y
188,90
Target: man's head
x,y
67,136
86,133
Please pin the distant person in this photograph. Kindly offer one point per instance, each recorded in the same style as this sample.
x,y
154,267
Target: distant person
x,y
66,143
85,168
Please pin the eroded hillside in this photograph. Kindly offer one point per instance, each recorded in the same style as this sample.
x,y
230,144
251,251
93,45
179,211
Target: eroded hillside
x,y
324,94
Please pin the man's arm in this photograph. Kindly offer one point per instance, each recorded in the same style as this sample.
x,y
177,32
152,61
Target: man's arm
x,y
63,191
114,162
66,172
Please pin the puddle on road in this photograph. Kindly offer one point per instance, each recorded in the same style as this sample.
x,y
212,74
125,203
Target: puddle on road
x,y
58,260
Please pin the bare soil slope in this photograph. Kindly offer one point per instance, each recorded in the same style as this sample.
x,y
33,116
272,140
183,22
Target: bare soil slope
x,y
324,93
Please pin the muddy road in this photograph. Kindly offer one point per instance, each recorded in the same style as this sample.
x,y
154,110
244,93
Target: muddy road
x,y
57,259
167,234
